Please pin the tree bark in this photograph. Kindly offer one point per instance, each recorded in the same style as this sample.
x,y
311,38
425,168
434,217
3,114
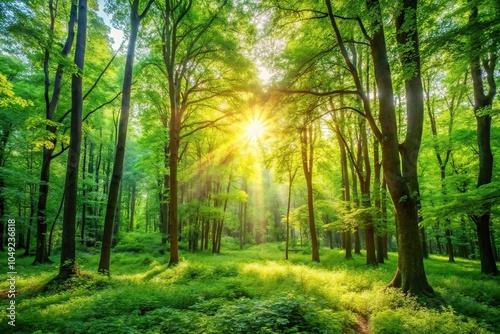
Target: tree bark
x,y
41,255
306,136
68,266
135,21
364,181
381,228
165,221
291,177
482,106
84,192
173,202
410,275
132,207
346,191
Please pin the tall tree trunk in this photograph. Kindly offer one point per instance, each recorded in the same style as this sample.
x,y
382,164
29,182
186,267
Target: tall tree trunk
x,y
380,227
357,242
91,202
221,223
84,192
364,181
132,207
68,266
346,191
173,200
449,246
410,275
482,106
118,218
51,233
135,21
291,177
165,226
51,104
307,164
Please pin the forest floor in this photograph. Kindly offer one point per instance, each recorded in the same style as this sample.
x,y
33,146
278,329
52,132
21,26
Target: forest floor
x,y
247,291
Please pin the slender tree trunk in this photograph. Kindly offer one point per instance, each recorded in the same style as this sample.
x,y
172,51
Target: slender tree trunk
x,y
173,200
118,218
307,164
165,222
135,21
364,181
43,192
84,192
91,229
291,177
32,218
380,228
132,207
357,242
449,246
54,225
346,191
482,104
385,237
240,225
245,223
68,266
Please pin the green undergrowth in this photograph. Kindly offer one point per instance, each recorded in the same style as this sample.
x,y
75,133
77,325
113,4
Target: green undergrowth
x,y
249,291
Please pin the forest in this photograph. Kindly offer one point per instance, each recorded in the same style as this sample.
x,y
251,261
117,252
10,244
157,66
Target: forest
x,y
249,166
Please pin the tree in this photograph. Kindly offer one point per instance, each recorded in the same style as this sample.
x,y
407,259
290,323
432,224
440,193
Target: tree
x,y
68,265
307,138
410,275
135,21
481,63
346,193
199,61
51,103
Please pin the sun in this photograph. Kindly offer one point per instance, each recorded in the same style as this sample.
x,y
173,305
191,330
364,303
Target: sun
x,y
255,129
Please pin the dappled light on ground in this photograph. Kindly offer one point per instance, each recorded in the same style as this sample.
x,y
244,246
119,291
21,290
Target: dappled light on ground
x,y
242,291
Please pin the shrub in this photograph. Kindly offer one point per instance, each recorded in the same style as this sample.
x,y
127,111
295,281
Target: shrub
x,y
423,321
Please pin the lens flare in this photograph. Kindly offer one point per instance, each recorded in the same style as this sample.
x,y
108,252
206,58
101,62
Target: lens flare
x,y
255,130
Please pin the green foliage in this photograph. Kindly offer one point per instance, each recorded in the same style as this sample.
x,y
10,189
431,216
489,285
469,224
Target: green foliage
x,y
249,291
473,202
423,322
136,242
278,314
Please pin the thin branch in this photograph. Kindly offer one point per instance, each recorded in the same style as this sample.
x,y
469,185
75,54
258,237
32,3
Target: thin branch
x,y
183,151
101,106
61,119
206,125
363,29
310,92
63,149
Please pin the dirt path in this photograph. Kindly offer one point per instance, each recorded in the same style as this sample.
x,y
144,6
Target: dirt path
x,y
361,325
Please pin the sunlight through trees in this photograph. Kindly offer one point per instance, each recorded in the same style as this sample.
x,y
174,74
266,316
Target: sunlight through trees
x,y
170,130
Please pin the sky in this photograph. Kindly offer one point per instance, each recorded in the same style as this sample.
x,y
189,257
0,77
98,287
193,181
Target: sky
x,y
116,34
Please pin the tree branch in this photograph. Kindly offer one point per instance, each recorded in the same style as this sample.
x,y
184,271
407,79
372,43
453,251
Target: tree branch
x,y
101,106
310,92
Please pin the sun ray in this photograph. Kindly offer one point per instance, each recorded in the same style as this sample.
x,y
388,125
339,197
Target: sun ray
x,y
254,130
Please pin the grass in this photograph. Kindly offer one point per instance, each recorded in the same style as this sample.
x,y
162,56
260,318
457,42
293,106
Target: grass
x,y
249,291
